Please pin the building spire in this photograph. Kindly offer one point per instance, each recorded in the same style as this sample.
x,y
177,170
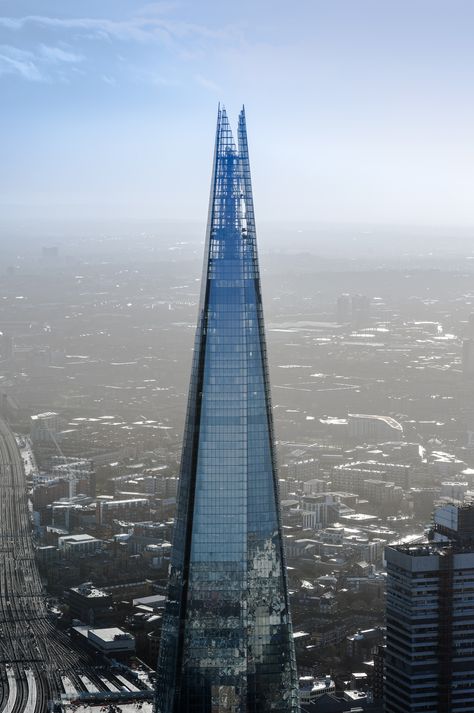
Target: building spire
x,y
227,640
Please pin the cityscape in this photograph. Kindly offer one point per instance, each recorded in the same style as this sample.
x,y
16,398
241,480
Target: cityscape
x,y
236,460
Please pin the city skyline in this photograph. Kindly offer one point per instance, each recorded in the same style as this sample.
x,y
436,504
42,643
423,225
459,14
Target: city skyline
x,y
369,103
207,506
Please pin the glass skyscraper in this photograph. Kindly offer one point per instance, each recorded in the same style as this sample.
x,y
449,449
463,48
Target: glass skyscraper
x,y
227,643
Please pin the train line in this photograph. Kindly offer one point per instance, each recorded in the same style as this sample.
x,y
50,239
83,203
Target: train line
x,y
33,653
38,662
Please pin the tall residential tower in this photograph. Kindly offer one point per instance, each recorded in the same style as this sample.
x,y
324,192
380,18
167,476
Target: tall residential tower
x,y
429,660
227,643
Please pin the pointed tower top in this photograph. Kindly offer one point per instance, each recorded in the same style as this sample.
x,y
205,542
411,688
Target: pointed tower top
x,y
225,140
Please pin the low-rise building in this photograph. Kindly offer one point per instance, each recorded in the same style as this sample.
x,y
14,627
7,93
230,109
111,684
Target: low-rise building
x,y
110,641
89,604
77,545
312,688
131,509
374,428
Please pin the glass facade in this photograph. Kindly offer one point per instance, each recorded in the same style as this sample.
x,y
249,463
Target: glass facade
x,y
227,643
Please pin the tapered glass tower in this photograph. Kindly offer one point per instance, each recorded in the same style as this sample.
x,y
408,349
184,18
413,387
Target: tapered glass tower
x,y
227,639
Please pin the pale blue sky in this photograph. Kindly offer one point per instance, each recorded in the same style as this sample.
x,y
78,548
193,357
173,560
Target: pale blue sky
x,y
358,110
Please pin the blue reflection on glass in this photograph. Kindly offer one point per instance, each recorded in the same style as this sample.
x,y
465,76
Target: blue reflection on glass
x,y
227,639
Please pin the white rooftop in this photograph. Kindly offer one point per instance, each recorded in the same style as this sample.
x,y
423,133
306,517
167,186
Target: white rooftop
x,y
153,599
77,538
377,417
46,414
139,707
110,634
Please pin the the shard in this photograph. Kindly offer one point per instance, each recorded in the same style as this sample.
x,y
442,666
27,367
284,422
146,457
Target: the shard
x,y
227,642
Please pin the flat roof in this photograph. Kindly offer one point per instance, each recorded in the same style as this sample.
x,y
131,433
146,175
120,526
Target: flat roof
x,y
121,502
88,590
110,634
77,538
153,599
387,419
90,707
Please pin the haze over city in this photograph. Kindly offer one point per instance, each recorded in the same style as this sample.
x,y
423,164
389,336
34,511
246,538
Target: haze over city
x,y
236,356
360,111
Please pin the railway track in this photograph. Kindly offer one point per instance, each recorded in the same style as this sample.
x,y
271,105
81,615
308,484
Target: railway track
x,y
33,653
36,659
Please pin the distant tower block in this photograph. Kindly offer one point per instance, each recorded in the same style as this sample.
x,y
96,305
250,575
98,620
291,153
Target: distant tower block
x,y
360,308
6,346
344,308
50,251
44,427
468,358
470,326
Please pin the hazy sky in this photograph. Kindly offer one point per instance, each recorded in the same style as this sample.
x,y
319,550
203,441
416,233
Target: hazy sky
x,y
358,110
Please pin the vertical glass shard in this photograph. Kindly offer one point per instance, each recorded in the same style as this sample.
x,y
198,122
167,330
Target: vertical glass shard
x,y
227,644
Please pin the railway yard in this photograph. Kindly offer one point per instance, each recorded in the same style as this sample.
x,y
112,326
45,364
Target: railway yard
x,y
38,663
